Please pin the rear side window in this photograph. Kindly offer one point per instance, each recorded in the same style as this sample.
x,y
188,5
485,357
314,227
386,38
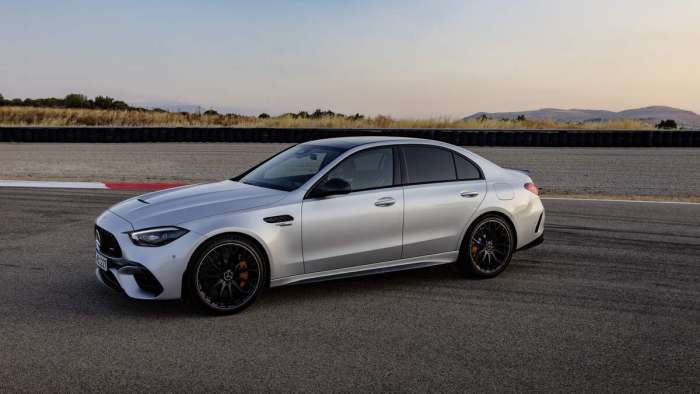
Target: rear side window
x,y
466,171
427,164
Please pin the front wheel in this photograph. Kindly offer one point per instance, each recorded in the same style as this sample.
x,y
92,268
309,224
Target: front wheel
x,y
488,247
227,275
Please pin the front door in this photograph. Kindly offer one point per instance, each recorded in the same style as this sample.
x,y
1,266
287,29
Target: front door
x,y
361,227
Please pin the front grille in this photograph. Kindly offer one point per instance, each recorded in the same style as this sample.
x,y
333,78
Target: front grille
x,y
107,244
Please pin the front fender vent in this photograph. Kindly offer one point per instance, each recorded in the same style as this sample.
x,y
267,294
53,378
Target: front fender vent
x,y
278,219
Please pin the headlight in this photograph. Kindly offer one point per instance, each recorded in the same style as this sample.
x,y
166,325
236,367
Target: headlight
x,y
156,236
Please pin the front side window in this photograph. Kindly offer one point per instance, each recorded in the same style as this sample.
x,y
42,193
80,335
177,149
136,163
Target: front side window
x,y
368,169
426,164
293,167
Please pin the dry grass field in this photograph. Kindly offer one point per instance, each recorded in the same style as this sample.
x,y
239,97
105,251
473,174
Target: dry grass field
x,y
34,116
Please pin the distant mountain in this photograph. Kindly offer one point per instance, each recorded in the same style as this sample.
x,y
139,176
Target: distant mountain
x,y
171,106
688,119
175,106
654,114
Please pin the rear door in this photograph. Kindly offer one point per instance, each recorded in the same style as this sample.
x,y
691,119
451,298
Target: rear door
x,y
442,191
361,227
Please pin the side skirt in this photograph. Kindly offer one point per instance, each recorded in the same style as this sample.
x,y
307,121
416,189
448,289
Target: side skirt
x,y
369,269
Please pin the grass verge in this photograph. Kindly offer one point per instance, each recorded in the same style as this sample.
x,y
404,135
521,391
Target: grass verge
x,y
37,116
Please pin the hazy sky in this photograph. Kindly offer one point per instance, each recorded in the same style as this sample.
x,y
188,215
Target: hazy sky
x,y
403,58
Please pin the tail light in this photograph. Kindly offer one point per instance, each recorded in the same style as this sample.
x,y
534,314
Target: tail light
x,y
531,187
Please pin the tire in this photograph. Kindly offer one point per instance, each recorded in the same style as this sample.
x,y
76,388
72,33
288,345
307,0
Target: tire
x,y
227,274
487,247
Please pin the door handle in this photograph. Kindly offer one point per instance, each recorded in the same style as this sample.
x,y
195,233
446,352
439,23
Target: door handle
x,y
467,194
385,202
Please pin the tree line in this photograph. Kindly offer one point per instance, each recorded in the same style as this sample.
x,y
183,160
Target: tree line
x,y
81,101
73,100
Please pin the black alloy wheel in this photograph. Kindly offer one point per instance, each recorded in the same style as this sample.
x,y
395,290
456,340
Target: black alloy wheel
x,y
228,275
488,248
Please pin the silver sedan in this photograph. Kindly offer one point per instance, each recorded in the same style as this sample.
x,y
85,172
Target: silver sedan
x,y
320,210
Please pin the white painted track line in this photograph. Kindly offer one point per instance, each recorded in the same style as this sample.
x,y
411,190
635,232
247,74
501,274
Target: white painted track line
x,y
621,201
54,185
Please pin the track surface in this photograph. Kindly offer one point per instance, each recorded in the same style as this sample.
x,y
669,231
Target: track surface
x,y
610,301
667,172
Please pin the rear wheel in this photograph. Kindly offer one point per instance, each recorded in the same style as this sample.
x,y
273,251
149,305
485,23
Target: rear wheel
x,y
488,247
228,275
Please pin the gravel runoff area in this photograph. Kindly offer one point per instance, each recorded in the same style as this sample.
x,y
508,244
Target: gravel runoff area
x,y
654,172
608,303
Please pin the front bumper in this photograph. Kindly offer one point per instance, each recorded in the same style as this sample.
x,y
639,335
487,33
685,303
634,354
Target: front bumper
x,y
145,273
130,278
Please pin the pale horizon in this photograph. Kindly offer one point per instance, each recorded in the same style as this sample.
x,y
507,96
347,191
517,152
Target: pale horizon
x,y
406,59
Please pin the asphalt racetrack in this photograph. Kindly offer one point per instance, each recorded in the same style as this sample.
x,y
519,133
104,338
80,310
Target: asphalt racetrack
x,y
666,173
610,302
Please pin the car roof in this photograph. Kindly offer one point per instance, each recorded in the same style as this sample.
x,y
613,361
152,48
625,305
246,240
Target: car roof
x,y
351,142
488,168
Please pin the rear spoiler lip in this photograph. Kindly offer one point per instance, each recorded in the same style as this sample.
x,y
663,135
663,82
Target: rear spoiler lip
x,y
526,172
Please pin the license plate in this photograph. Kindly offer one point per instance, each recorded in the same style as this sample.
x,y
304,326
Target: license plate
x,y
101,261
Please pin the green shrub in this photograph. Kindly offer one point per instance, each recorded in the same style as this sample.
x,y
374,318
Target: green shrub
x,y
76,100
668,124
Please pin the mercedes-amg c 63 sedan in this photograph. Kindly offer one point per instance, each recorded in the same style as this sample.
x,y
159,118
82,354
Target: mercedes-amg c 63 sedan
x,y
319,210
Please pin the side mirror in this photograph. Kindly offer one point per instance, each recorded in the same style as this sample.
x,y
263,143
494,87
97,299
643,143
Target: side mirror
x,y
331,187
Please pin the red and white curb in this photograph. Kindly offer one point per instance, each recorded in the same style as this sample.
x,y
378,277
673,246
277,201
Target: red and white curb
x,y
92,185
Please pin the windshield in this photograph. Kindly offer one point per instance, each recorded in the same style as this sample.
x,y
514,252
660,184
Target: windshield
x,y
293,167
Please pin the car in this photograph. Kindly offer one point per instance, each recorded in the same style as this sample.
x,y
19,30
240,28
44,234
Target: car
x,y
319,210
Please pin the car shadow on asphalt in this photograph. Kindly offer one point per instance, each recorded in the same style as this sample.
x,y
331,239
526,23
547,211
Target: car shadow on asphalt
x,y
118,304
422,277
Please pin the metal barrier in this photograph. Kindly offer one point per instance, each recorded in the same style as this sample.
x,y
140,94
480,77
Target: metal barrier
x,y
537,138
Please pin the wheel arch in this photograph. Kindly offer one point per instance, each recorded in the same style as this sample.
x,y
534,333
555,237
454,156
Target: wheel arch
x,y
205,240
502,215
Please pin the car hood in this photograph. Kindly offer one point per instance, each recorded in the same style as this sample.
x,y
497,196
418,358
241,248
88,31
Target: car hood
x,y
183,204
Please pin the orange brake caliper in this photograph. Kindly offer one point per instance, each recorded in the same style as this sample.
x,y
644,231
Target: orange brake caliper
x,y
243,273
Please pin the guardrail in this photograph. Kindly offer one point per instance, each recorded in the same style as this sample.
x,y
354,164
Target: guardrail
x,y
551,138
